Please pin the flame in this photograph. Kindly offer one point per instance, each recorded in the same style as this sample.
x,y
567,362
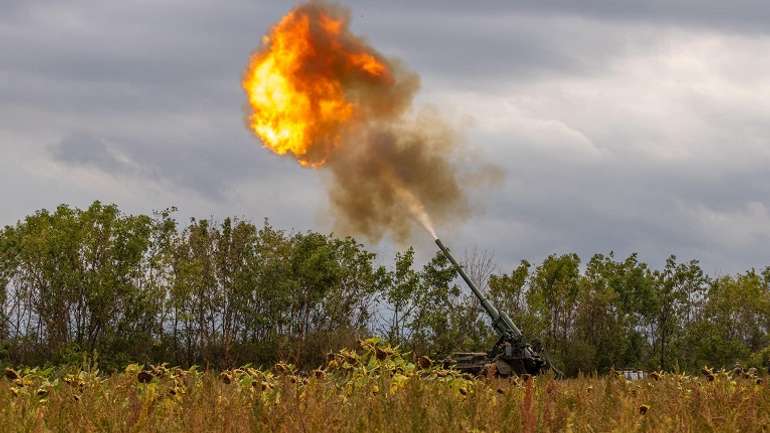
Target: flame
x,y
305,85
323,96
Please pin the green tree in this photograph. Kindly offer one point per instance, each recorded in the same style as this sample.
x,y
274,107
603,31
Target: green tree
x,y
402,286
614,296
433,329
678,295
735,320
552,299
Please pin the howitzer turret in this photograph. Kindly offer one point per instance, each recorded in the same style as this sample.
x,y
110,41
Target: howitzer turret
x,y
512,354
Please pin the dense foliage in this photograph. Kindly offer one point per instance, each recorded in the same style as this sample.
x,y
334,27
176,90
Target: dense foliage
x,y
78,284
375,389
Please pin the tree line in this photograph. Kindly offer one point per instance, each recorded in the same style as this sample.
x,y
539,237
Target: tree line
x,y
99,283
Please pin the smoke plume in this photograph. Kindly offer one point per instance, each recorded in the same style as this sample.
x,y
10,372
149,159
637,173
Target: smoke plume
x,y
324,96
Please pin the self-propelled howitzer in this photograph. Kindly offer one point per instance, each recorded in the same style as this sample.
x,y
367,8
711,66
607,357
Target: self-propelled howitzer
x,y
512,354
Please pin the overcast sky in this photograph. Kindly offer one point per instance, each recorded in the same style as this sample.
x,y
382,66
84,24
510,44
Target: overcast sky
x,y
626,126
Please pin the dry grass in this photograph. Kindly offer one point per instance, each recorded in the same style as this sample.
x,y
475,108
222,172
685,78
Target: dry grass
x,y
368,392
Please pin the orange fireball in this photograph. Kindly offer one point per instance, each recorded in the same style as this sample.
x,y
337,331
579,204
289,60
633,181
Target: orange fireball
x,y
310,82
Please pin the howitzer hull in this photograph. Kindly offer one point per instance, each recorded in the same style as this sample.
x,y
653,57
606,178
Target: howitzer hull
x,y
480,364
473,363
500,363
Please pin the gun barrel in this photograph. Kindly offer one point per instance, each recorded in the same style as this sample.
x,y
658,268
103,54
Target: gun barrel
x,y
491,310
500,321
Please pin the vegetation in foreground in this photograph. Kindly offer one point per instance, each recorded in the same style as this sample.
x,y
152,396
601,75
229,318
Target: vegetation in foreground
x,y
375,389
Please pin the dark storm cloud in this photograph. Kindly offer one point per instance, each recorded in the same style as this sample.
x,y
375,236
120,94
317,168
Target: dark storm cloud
x,y
487,49
590,209
483,43
84,149
738,15
627,204
203,165
114,53
155,86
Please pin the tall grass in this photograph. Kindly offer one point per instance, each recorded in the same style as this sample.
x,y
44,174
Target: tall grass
x,y
375,390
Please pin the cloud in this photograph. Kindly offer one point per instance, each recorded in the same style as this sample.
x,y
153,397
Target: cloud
x,y
640,126
207,165
84,149
665,152
736,16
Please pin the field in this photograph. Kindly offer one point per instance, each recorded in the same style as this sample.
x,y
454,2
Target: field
x,y
374,389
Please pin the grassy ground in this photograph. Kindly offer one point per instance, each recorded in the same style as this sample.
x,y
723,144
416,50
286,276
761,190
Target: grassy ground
x,y
373,390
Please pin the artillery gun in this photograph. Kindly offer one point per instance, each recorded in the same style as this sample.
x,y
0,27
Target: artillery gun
x,y
511,355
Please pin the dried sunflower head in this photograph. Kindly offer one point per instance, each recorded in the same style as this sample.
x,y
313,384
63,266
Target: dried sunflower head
x,y
11,374
144,376
424,362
